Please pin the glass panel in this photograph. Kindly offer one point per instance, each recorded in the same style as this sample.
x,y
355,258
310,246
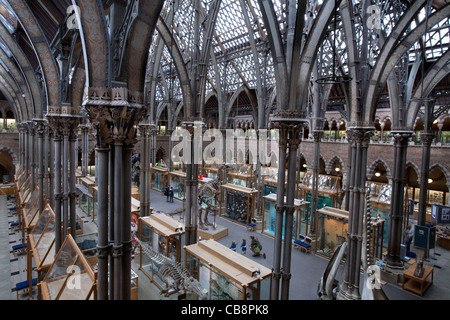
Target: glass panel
x,y
69,277
331,232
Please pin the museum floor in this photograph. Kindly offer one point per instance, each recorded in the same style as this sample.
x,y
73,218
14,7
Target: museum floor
x,y
306,269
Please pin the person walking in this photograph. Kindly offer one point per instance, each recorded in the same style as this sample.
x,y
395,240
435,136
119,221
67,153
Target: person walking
x,y
233,245
244,246
171,194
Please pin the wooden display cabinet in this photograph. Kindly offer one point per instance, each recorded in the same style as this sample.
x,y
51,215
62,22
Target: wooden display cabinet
x,y
380,197
177,180
242,176
69,266
85,195
329,190
225,274
160,178
331,230
165,235
237,203
301,217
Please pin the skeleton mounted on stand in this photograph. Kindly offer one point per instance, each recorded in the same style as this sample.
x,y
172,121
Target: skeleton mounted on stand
x,y
209,195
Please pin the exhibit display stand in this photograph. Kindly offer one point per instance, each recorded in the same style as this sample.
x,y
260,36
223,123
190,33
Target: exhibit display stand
x,y
166,236
225,274
237,203
301,217
331,230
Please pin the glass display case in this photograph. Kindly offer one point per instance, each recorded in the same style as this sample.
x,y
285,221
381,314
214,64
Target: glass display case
x,y
329,190
271,180
301,218
380,197
88,245
69,266
41,243
331,230
160,178
164,235
242,176
178,183
85,190
225,274
237,203
28,213
433,197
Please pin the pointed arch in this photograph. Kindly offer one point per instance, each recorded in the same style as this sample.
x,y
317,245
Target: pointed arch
x,y
372,167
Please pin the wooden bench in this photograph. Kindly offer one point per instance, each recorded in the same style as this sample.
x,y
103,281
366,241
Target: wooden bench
x,y
24,286
19,249
303,243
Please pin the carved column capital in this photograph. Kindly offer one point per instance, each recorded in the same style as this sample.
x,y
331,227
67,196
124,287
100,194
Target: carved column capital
x,y
114,113
427,138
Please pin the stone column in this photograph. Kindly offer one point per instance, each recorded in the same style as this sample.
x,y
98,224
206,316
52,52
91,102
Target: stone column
x,y
103,247
40,129
32,145
27,148
64,120
51,174
114,121
360,137
289,125
58,190
398,185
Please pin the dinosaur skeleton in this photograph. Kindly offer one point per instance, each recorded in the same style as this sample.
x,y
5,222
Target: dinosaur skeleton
x,y
209,194
174,275
329,286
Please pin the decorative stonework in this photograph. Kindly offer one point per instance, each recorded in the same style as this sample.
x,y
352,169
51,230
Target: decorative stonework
x,y
114,113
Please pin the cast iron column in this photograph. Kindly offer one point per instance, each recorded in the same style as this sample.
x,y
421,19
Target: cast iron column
x,y
40,128
57,183
317,135
396,213
294,142
360,137
126,223
427,139
103,248
118,218
279,211
72,188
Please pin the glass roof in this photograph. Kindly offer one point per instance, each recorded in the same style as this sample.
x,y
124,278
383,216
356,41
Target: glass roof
x,y
234,54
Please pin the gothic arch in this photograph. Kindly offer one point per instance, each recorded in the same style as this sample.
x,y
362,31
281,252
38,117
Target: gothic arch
x,y
335,158
11,153
442,169
372,167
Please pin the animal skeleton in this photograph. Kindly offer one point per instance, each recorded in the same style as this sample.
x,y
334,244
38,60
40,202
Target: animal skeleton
x,y
209,194
329,286
172,273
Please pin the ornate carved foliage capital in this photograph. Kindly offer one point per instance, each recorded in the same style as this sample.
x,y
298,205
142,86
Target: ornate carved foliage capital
x,y
427,138
401,138
360,136
114,113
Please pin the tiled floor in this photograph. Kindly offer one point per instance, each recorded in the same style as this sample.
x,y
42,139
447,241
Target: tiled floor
x,y
306,269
